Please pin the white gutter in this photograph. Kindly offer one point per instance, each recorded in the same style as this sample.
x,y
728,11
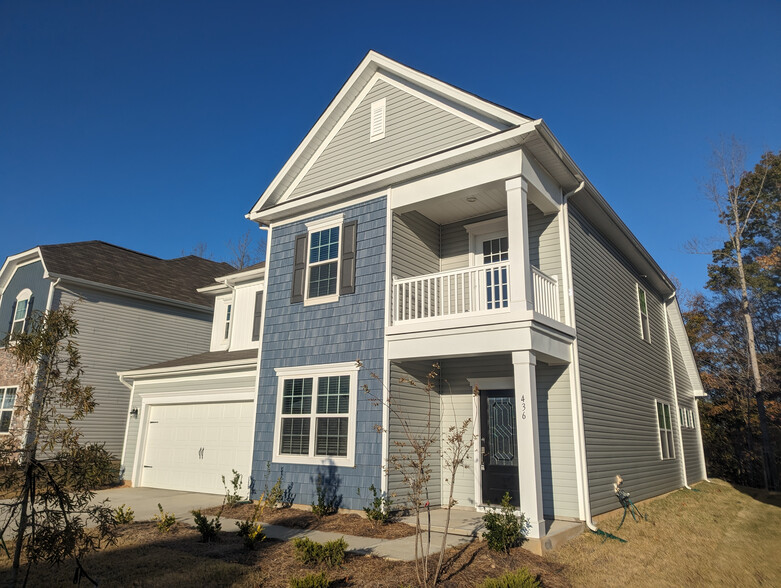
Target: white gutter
x,y
577,417
50,299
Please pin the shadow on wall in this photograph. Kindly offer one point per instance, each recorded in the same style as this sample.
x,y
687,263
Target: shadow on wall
x,y
327,484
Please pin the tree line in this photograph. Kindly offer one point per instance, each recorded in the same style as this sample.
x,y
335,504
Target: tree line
x,y
735,327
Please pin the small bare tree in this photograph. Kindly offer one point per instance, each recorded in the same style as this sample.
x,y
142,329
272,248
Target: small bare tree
x,y
737,196
412,461
245,251
51,476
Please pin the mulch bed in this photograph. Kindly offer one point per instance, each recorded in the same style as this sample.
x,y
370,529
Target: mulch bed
x,y
347,524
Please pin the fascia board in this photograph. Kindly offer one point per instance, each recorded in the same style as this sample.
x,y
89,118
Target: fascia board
x,y
214,289
192,370
130,293
435,162
679,330
363,68
14,261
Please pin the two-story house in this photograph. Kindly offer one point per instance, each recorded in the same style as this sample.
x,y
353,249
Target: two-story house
x,y
131,309
417,223
190,420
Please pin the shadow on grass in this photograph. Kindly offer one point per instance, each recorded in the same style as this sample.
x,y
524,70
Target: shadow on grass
x,y
759,494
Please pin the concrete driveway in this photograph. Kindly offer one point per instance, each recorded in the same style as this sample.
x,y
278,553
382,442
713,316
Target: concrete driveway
x,y
144,501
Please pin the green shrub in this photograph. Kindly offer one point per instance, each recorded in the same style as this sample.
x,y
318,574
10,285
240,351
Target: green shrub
x,y
274,495
165,520
208,528
232,496
251,531
378,510
503,528
518,579
331,553
311,581
324,505
123,516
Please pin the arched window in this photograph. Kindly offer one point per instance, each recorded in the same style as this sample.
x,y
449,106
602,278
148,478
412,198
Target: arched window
x,y
21,311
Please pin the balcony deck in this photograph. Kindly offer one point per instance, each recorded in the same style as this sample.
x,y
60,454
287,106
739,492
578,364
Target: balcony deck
x,y
469,291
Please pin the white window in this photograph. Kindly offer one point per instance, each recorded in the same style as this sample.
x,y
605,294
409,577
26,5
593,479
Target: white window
x,y
642,304
665,430
323,260
227,330
377,122
7,402
690,417
21,311
315,419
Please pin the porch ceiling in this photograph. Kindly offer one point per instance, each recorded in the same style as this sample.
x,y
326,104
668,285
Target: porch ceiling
x,y
453,207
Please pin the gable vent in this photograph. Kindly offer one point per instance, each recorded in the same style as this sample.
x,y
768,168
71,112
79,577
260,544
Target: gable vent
x,y
377,123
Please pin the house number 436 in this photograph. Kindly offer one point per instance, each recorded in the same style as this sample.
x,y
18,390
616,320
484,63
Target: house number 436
x,y
523,406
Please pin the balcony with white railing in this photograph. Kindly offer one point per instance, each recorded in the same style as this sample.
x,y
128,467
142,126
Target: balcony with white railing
x,y
473,290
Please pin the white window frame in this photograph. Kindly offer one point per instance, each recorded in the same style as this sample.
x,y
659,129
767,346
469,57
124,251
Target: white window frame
x,y
669,440
315,372
226,332
23,296
494,228
378,109
3,391
645,321
312,228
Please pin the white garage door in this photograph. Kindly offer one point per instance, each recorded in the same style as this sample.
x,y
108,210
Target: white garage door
x,y
191,446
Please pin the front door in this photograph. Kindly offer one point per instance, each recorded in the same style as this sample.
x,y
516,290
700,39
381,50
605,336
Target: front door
x,y
498,446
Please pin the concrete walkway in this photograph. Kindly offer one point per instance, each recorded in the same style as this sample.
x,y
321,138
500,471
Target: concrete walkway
x,y
402,549
144,501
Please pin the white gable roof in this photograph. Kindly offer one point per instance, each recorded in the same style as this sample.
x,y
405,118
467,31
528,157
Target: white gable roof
x,y
469,115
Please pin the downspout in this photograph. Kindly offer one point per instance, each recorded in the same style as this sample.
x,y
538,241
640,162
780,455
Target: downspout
x,y
576,376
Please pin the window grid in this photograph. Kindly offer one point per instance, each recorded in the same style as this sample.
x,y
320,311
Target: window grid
x,y
323,413
227,321
323,262
20,316
7,402
665,430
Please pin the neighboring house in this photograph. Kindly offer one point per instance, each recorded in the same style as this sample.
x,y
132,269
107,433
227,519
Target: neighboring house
x,y
417,224
131,308
191,419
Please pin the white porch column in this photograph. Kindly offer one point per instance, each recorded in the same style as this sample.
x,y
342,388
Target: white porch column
x,y
521,293
525,375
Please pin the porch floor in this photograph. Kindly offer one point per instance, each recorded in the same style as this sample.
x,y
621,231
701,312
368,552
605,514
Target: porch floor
x,y
469,523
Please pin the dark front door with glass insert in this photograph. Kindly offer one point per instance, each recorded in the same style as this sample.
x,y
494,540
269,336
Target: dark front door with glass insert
x,y
499,446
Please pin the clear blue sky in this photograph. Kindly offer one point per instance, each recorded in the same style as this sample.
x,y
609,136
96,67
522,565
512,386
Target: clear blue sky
x,y
155,125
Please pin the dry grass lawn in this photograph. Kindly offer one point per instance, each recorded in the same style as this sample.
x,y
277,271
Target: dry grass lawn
x,y
719,536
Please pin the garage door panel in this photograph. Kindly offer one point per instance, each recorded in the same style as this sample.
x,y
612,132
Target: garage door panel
x,y
191,446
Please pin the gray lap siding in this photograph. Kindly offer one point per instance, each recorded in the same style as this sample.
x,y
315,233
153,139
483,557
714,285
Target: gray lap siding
x,y
26,276
621,374
342,331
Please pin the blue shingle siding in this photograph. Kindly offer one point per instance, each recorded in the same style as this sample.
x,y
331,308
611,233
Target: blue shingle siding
x,y
27,276
297,335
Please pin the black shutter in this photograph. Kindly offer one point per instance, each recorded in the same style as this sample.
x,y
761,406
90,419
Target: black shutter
x,y
258,314
299,270
349,243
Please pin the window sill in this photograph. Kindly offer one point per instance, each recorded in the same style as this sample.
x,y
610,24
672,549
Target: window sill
x,y
346,462
321,300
